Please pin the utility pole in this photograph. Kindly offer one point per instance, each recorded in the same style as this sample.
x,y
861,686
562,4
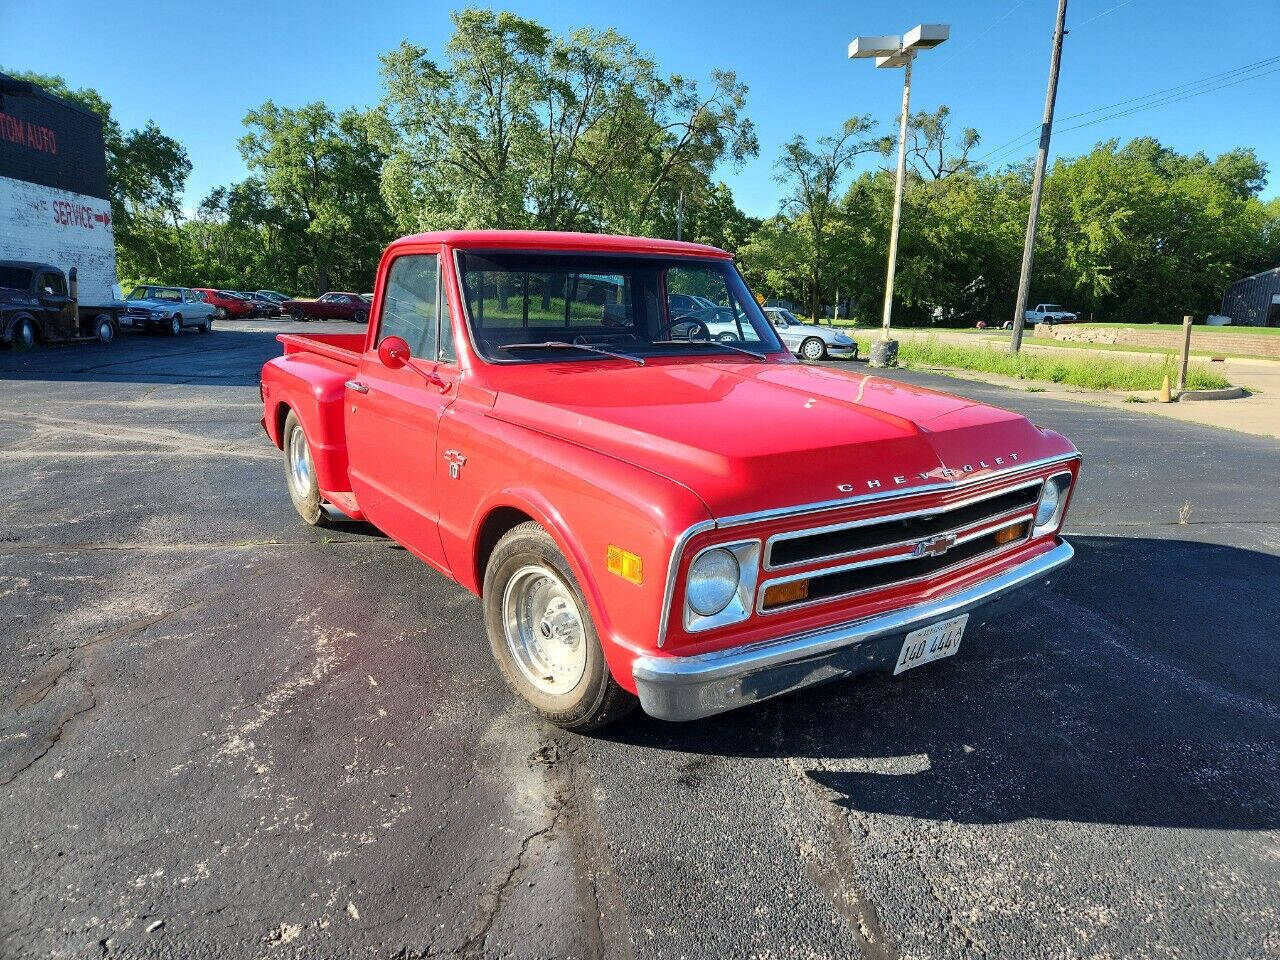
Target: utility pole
x,y
1037,182
680,216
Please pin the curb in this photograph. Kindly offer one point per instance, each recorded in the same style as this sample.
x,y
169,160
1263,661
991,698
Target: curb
x,y
1226,393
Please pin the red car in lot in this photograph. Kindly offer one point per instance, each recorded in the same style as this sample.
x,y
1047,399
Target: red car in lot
x,y
335,305
652,514
225,305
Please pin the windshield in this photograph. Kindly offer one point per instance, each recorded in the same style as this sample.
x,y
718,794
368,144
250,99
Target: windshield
x,y
637,305
1056,307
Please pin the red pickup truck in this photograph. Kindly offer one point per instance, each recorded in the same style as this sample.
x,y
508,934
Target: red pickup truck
x,y
651,513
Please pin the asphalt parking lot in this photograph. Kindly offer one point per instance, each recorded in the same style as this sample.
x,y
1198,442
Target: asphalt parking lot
x,y
226,734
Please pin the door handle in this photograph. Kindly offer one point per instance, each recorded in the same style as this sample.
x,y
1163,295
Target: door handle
x,y
357,386
437,381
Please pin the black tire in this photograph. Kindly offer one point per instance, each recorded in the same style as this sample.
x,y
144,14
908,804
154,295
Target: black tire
x,y
808,351
26,335
175,325
105,329
305,494
360,316
206,326
297,315
596,699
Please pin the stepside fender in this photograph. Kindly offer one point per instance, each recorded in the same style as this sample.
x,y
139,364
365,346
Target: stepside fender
x,y
313,387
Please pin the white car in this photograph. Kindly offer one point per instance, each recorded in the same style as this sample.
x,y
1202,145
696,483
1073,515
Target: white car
x,y
810,341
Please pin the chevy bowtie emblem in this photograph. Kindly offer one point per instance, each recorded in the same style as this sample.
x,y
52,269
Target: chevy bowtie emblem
x,y
935,546
455,460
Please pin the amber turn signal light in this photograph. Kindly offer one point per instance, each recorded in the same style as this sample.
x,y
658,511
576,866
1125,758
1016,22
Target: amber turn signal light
x,y
625,564
1010,534
775,595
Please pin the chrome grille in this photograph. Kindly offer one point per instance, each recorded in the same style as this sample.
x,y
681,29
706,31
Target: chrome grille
x,y
847,540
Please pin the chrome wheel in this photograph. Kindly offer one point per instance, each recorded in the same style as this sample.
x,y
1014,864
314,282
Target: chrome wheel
x,y
106,331
544,629
299,463
26,334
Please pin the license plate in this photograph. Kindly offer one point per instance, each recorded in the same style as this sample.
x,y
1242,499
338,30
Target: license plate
x,y
931,643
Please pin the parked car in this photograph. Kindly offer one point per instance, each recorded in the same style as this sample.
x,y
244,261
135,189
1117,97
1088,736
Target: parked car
x,y
260,305
275,295
783,304
1049,314
808,340
686,523
330,306
40,304
227,305
171,309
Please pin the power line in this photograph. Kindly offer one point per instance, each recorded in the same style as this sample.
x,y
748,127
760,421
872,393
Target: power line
x,y
1172,94
1099,16
991,26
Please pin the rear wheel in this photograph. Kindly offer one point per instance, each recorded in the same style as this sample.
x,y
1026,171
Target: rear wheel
x,y
360,316
220,313
297,314
206,326
813,349
300,474
541,633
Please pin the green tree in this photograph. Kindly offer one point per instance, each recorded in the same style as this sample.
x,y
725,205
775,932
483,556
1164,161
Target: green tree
x,y
813,175
321,172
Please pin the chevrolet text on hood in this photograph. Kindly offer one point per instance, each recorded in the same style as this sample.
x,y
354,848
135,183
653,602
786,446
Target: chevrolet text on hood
x,y
605,439
939,473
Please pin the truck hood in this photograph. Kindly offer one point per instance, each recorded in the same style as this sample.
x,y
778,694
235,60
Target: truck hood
x,y
754,436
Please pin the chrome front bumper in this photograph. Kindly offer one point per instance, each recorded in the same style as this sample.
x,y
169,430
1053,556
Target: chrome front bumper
x,y
688,688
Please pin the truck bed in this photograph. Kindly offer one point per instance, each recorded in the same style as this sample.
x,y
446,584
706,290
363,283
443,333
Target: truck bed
x,y
343,347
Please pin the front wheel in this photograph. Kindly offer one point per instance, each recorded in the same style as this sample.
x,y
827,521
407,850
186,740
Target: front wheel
x,y
300,474
542,636
106,330
24,335
175,326
813,349
220,313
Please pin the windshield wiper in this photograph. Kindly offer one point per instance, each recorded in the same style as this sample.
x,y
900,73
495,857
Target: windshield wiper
x,y
717,343
563,344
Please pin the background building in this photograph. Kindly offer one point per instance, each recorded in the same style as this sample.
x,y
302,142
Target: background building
x,y
53,188
1254,301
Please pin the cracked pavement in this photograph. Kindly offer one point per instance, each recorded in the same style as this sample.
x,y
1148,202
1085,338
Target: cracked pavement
x,y
226,734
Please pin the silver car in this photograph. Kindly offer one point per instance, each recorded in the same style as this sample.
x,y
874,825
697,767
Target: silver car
x,y
808,340
170,309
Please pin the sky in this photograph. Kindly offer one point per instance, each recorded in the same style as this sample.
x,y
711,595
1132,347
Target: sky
x,y
197,68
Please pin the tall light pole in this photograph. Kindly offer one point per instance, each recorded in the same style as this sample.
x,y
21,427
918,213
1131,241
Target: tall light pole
x,y
894,51
1037,182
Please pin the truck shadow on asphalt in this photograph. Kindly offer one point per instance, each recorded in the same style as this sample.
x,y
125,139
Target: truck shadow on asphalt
x,y
221,358
1139,690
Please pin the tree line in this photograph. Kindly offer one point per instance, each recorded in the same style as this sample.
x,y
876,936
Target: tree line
x,y
512,126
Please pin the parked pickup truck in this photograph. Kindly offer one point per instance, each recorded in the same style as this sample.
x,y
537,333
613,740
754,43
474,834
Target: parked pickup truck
x,y
41,304
651,514
1050,313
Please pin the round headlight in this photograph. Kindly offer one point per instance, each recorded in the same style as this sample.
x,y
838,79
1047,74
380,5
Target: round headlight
x,y
1049,500
713,580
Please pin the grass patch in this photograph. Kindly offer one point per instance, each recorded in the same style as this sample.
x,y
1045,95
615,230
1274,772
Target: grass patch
x,y
1088,370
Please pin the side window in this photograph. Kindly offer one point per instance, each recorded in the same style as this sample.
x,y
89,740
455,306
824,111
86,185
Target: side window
x,y
410,303
52,283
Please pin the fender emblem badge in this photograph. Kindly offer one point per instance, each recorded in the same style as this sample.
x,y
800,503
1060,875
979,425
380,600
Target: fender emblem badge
x,y
935,546
455,460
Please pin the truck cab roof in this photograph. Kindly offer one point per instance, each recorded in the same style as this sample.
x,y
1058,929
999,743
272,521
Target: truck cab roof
x,y
559,240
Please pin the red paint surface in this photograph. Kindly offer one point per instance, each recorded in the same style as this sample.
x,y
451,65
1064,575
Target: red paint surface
x,y
607,452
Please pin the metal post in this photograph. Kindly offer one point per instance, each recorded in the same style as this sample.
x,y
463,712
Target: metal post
x,y
680,216
1186,353
897,193
1037,183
